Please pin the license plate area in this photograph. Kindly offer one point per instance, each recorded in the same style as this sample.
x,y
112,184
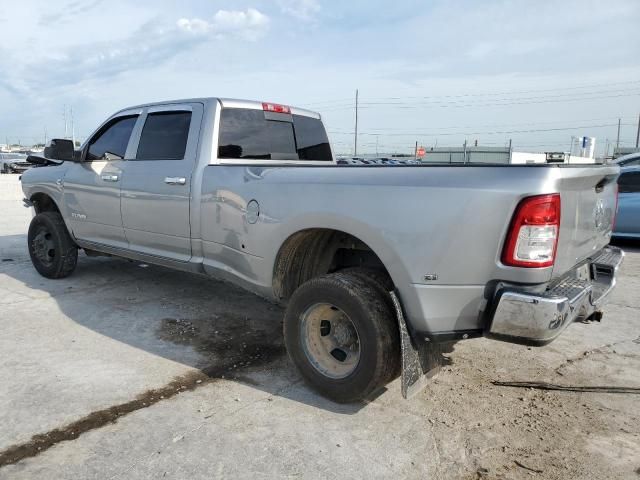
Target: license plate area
x,y
583,272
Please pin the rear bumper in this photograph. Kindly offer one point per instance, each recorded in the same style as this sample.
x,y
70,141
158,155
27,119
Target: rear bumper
x,y
538,318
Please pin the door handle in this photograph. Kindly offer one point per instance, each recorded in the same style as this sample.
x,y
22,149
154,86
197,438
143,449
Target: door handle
x,y
175,180
109,178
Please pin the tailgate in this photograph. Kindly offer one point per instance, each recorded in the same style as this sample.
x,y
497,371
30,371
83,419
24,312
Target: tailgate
x,y
588,197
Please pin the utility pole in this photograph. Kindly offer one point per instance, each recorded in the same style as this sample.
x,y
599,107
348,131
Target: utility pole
x,y
618,137
64,116
638,132
73,130
355,139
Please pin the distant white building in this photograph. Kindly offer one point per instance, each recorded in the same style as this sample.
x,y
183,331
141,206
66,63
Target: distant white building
x,y
479,154
583,146
548,157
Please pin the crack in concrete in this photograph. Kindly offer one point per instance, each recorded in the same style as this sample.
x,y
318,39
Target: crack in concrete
x,y
584,355
200,425
42,442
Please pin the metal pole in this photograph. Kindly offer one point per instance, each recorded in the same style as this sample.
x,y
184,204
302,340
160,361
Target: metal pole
x,y
638,132
568,158
355,139
73,130
618,137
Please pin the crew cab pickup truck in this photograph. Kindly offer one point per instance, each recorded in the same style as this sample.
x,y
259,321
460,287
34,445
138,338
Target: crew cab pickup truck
x,y
365,257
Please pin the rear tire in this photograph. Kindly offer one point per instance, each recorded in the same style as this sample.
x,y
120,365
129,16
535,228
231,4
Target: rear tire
x,y
52,250
348,312
381,279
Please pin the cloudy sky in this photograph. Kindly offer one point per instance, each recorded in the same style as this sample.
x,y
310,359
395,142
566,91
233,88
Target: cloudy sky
x,y
437,71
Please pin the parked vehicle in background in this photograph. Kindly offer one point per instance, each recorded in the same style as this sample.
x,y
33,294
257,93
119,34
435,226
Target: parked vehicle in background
x,y
377,161
628,160
13,163
628,219
375,263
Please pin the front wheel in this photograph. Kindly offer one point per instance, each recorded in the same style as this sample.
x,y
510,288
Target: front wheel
x,y
51,248
342,335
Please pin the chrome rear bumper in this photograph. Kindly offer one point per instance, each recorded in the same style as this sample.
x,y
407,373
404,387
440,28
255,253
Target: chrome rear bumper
x,y
538,318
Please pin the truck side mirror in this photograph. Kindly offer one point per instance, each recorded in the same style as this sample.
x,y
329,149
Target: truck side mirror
x,y
60,149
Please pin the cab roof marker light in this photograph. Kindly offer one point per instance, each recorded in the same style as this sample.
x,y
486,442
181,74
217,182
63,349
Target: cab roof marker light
x,y
275,107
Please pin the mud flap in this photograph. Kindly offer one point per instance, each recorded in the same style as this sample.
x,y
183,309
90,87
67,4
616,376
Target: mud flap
x,y
420,362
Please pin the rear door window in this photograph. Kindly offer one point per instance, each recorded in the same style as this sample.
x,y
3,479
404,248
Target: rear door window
x,y
252,134
629,182
164,136
111,140
311,138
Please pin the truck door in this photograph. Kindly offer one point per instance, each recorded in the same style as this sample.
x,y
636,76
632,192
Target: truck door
x,y
92,188
156,182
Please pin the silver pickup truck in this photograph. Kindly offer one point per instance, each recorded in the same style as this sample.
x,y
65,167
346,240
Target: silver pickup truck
x,y
372,262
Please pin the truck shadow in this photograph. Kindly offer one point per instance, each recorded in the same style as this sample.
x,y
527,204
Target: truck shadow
x,y
627,244
212,326
215,327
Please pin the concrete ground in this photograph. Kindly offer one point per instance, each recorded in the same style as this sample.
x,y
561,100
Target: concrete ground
x,y
130,371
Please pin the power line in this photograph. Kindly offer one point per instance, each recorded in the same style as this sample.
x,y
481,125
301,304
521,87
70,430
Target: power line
x,y
484,94
541,97
496,132
565,121
413,105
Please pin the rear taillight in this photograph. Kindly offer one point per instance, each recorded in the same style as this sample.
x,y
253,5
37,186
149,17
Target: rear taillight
x,y
533,235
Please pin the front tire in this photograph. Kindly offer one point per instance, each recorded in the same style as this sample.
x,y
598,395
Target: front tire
x,y
52,250
342,335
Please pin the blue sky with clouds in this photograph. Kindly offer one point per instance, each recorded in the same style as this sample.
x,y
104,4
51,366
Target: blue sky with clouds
x,y
428,71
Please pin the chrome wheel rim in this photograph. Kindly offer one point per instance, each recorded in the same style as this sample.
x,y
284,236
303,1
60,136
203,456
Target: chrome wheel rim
x,y
330,340
43,246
